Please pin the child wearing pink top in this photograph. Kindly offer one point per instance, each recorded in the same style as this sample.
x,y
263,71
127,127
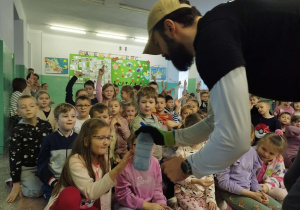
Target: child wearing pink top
x,y
140,189
106,92
284,107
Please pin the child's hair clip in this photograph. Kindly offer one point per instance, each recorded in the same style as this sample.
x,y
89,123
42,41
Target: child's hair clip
x,y
279,132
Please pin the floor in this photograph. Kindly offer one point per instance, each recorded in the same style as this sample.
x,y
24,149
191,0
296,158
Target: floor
x,y
20,203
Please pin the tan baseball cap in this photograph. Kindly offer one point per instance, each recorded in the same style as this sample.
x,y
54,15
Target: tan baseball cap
x,y
158,12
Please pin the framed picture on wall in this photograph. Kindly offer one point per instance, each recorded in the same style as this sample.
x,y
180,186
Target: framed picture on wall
x,y
56,65
160,72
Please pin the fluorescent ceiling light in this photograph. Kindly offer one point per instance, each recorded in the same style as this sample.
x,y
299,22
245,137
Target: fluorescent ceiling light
x,y
68,30
111,36
133,9
141,40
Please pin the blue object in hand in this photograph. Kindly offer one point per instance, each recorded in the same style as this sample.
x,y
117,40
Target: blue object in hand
x,y
143,150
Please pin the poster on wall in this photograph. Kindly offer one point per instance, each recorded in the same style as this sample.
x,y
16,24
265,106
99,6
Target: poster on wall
x,y
130,72
89,66
56,65
160,72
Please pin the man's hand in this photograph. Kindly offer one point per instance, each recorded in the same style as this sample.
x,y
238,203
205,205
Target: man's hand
x,y
172,168
159,136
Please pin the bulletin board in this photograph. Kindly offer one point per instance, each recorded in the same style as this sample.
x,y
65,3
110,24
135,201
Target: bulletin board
x,y
89,66
130,72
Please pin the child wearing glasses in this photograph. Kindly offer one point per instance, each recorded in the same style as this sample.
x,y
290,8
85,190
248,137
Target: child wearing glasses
x,y
139,189
83,106
56,147
86,179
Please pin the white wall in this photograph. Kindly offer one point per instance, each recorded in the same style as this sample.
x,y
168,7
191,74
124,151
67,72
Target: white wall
x,y
7,23
193,73
49,45
24,59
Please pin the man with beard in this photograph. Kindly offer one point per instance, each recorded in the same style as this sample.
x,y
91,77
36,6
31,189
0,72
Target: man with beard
x,y
238,45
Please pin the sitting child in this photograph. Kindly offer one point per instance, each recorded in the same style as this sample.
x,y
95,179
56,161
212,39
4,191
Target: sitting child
x,y
86,179
83,106
163,117
120,125
24,147
264,122
292,135
45,112
284,107
130,112
101,111
296,106
140,189
240,188
56,147
284,119
146,100
193,193
272,171
90,88
107,92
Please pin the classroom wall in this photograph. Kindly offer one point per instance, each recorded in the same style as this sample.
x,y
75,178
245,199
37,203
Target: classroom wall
x,y
49,45
7,23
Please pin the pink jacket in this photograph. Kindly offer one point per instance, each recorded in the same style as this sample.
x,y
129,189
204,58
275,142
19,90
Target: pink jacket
x,y
274,173
123,133
134,187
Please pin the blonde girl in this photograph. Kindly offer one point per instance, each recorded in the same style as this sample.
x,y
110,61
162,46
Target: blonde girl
x,y
107,92
120,125
272,171
86,178
45,112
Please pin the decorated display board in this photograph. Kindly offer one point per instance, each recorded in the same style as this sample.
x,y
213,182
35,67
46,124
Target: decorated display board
x,y
130,72
56,65
89,66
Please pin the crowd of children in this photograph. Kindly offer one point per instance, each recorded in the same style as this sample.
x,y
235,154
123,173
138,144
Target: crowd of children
x,y
79,154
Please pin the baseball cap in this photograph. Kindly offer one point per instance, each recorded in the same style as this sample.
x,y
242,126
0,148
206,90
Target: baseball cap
x,y
158,12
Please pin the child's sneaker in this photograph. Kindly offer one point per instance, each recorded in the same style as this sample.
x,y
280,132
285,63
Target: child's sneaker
x,y
9,182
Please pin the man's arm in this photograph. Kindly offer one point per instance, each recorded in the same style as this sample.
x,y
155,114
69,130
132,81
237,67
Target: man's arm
x,y
230,138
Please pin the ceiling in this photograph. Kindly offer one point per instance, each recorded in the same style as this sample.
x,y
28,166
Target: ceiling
x,y
123,17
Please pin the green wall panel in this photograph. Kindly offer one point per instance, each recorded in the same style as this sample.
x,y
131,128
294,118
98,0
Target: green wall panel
x,y
192,85
7,69
57,87
20,71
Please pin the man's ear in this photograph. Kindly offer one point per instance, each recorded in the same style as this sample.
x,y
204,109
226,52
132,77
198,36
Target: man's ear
x,y
169,27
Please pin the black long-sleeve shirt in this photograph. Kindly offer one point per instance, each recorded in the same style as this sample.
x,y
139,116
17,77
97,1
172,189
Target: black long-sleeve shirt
x,y
69,91
24,146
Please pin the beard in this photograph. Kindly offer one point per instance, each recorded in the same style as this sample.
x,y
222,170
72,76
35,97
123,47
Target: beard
x,y
178,54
